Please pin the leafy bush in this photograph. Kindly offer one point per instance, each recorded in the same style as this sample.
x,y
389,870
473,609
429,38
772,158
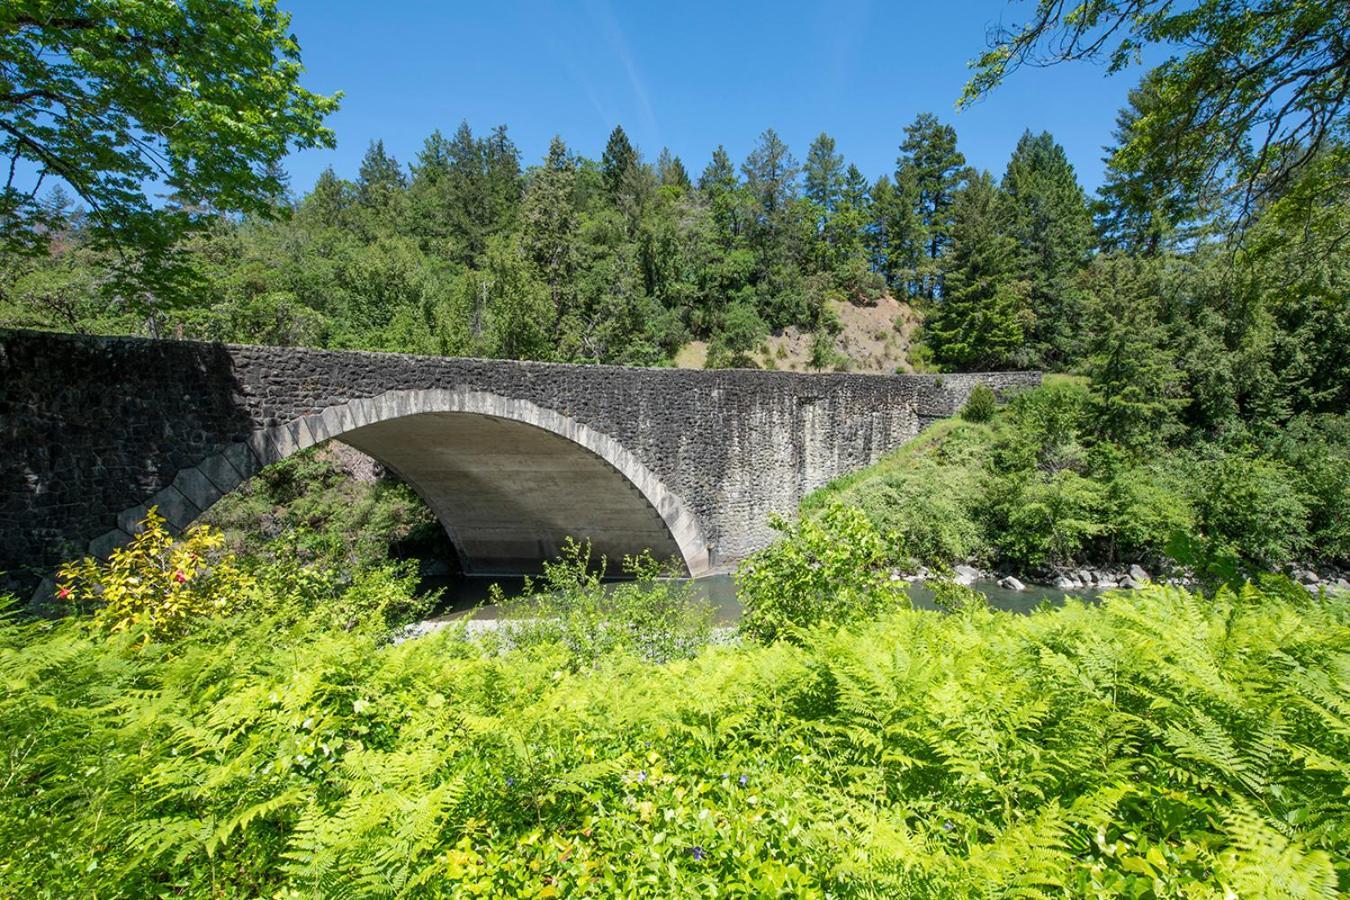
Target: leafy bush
x,y
1161,744
309,508
156,585
831,568
1143,511
1041,519
650,616
1249,507
378,596
980,405
933,506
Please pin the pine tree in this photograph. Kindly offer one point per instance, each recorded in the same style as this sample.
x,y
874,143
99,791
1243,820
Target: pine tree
x,y
771,173
551,224
928,173
976,324
380,177
824,173
619,157
1050,221
1144,207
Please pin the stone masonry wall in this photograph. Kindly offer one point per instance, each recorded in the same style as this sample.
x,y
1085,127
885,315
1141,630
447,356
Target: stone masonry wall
x,y
91,427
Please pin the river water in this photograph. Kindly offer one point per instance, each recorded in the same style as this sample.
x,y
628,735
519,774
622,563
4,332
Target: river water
x,y
462,595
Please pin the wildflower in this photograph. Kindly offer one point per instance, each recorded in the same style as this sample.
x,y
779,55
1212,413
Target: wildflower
x,y
179,577
949,825
744,780
697,853
63,593
642,777
510,782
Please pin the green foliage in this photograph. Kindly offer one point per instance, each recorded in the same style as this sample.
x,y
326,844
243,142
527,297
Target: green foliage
x,y
981,405
1255,91
1049,221
834,568
979,321
1045,518
202,98
917,211
1134,383
157,586
316,510
649,614
1158,744
1038,485
1249,507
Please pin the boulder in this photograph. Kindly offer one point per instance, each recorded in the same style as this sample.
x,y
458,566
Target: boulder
x,y
966,575
1011,584
1306,576
1138,575
1128,583
1064,583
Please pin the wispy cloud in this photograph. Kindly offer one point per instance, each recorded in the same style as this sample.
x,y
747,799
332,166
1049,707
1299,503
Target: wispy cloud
x,y
603,19
849,21
565,46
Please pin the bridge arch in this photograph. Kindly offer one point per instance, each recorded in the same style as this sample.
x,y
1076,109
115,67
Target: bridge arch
x,y
508,479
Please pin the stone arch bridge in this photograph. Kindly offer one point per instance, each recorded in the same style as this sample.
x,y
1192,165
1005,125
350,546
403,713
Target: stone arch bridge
x,y
511,456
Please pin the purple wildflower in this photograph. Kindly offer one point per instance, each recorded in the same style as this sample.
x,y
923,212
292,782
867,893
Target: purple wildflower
x,y
744,780
948,826
697,853
642,777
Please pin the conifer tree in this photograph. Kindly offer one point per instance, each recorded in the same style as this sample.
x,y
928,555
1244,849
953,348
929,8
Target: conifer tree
x,y
1135,386
771,173
719,175
329,203
1049,219
856,191
824,173
976,324
721,188
551,223
1144,206
618,158
503,179
928,173
380,177
671,171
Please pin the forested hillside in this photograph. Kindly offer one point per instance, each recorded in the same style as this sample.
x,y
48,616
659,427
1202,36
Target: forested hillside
x,y
465,250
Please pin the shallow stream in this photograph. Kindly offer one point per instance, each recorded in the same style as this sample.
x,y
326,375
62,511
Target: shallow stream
x,y
465,594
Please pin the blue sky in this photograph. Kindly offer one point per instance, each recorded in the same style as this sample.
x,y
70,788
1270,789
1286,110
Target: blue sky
x,y
684,75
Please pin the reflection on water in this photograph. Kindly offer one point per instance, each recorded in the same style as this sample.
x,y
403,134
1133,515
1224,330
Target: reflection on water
x,y
465,594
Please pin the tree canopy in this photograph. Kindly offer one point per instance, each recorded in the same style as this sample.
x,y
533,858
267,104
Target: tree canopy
x,y
1252,94
201,98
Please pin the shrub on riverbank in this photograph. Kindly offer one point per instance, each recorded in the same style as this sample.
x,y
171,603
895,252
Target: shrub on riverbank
x,y
1160,744
1037,487
649,615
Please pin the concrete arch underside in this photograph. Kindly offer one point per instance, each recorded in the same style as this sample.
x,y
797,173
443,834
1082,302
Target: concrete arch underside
x,y
509,480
